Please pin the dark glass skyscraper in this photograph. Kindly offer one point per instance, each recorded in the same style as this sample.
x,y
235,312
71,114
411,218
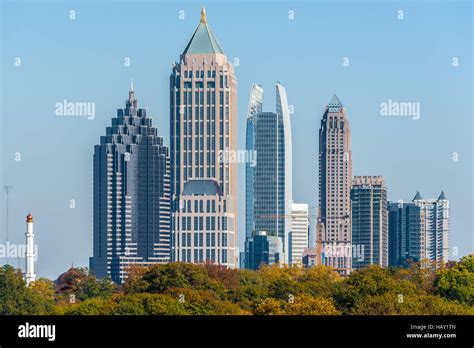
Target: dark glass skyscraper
x,y
131,195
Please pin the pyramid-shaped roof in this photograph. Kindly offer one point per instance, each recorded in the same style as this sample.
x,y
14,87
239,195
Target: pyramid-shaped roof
x,y
203,40
442,196
417,196
335,102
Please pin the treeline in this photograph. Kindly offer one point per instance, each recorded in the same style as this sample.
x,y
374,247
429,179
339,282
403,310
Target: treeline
x,y
187,289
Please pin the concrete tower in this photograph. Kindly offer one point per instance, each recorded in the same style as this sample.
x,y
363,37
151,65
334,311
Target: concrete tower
x,y
333,229
203,142
30,275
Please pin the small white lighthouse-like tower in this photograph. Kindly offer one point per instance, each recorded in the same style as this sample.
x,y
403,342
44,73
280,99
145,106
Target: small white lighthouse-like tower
x,y
30,275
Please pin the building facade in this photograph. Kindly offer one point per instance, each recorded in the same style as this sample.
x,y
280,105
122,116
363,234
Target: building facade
x,y
131,195
369,222
406,231
203,142
436,215
270,181
299,233
263,249
255,107
333,229
419,230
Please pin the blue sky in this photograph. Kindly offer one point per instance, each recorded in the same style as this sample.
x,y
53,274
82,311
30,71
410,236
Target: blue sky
x,y
82,60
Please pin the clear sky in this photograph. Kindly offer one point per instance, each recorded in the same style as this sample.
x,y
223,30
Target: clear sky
x,y
82,60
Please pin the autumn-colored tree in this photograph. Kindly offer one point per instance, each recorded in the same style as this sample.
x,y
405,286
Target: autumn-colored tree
x,y
297,305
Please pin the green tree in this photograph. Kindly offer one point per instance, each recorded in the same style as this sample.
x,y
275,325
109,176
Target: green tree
x,y
457,283
18,299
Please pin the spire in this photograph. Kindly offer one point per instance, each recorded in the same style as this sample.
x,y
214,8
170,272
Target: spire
x,y
131,101
203,15
203,40
442,196
417,196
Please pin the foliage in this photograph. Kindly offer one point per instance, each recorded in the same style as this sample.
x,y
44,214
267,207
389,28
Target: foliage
x,y
457,283
210,289
299,305
18,299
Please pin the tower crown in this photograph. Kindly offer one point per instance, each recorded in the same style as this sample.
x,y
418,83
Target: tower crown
x,y
29,218
203,40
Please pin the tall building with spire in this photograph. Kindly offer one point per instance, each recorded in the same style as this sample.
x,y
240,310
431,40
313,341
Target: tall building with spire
x,y
333,229
203,142
269,182
131,195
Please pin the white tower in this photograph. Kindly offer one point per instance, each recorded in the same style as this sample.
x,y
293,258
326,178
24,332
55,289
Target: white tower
x,y
30,275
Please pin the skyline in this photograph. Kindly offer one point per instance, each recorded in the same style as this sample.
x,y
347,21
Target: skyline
x,y
429,186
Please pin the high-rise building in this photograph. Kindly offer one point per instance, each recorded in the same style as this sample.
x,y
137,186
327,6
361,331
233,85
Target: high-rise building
x,y
369,222
406,233
333,229
263,249
203,142
419,230
255,106
436,214
270,181
299,233
131,195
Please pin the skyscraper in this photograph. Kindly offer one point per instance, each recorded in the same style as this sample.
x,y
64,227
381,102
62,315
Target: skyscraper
x,y
299,233
263,249
333,229
369,221
203,141
255,106
131,195
406,233
419,230
436,215
270,181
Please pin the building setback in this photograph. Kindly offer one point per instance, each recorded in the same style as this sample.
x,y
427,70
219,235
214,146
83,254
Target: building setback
x,y
369,221
203,140
333,228
270,180
299,235
131,195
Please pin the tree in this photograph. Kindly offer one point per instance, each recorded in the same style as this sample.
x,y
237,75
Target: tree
x,y
18,299
457,283
92,306
91,287
299,305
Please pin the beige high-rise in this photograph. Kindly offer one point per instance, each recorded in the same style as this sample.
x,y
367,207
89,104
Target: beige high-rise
x,y
333,229
203,140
